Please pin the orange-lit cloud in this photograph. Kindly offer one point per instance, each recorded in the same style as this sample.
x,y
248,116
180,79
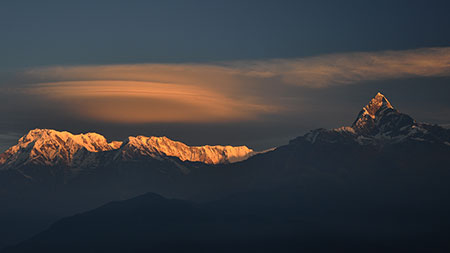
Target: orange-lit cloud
x,y
227,91
141,101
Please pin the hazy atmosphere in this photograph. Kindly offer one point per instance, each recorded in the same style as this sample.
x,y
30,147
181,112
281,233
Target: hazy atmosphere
x,y
250,72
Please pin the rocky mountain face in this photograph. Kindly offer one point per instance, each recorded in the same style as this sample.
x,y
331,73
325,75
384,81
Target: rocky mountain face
x,y
379,123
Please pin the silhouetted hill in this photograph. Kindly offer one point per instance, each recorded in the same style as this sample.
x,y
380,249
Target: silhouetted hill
x,y
277,221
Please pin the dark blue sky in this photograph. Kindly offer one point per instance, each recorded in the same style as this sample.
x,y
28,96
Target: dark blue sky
x,y
272,102
36,33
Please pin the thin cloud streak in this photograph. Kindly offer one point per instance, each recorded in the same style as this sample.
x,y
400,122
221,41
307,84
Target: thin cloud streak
x,y
350,68
316,72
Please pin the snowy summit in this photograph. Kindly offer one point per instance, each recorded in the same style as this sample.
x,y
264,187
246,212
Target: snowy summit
x,y
51,147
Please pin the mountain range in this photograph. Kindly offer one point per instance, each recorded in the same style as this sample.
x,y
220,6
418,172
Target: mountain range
x,y
50,147
378,123
384,172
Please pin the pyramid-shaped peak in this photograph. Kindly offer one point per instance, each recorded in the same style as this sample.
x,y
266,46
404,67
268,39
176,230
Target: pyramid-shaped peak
x,y
376,114
378,103
381,97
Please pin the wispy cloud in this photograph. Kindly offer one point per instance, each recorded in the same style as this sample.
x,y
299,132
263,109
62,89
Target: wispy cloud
x,y
224,91
350,68
320,71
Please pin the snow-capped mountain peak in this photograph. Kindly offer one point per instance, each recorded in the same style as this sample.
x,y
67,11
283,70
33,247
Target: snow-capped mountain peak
x,y
51,147
376,113
92,142
379,123
163,146
378,104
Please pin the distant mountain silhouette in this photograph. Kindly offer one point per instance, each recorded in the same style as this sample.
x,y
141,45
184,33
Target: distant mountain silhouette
x,y
384,169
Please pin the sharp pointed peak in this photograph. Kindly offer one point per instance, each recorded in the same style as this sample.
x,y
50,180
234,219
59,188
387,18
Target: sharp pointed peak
x,y
371,114
378,103
380,97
